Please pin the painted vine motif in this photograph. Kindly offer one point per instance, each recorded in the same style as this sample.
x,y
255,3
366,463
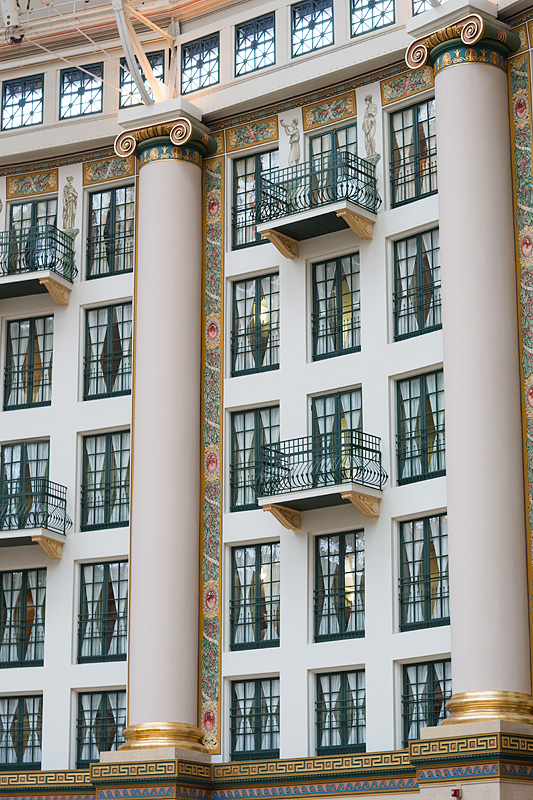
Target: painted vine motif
x,y
107,170
211,511
266,130
406,84
27,185
330,111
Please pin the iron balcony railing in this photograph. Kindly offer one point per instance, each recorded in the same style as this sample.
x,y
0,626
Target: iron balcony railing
x,y
325,459
33,503
35,249
318,182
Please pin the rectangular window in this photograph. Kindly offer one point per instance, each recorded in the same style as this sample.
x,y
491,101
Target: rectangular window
x,y
32,245
108,351
22,605
20,732
336,321
249,431
419,6
255,45
101,719
28,372
255,596
369,15
103,620
340,586
22,102
105,492
426,688
255,719
424,587
255,334
32,214
246,179
413,153
417,299
111,232
81,91
129,93
24,485
200,63
337,440
312,26
421,428
325,148
340,713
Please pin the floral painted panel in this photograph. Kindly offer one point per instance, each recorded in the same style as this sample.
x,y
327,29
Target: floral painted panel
x,y
265,130
211,510
405,85
28,185
328,111
107,170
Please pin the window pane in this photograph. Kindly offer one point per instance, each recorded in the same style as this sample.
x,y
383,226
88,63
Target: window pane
x,y
421,428
255,335
417,295
255,596
108,351
255,719
413,153
106,480
426,687
246,172
28,372
22,102
312,26
111,232
199,64
255,45
20,732
340,712
103,619
81,91
101,719
22,615
129,93
250,431
424,589
368,15
340,586
336,322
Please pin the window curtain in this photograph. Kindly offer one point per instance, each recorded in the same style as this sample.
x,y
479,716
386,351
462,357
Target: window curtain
x,y
417,676
439,704
117,574
19,339
245,332
244,473
37,586
351,454
92,611
8,711
269,587
95,479
11,486
407,287
244,733
11,588
323,465
114,699
269,434
97,333
245,564
440,602
356,685
434,424
123,318
329,573
43,331
326,307
424,146
414,546
268,322
32,745
331,710
90,705
430,276
350,305
270,715
403,157
410,428
37,462
99,234
120,474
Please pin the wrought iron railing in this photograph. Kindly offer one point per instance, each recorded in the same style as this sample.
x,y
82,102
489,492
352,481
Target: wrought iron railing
x,y
318,182
35,249
321,460
33,503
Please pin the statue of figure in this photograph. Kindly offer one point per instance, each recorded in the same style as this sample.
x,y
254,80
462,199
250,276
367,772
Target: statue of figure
x,y
369,125
294,140
70,204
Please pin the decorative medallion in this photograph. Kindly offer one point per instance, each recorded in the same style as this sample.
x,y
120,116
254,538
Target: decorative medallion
x,y
212,331
109,169
209,720
265,130
333,110
520,108
211,464
213,206
528,396
28,185
211,599
405,85
525,246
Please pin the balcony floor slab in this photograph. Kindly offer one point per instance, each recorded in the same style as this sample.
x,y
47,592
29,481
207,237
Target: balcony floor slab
x,y
320,497
317,221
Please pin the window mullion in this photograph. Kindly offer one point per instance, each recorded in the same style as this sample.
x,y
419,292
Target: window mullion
x,y
338,302
427,570
342,546
107,478
112,217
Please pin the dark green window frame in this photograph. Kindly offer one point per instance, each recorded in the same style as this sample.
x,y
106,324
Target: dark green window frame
x,y
32,214
156,60
246,184
327,147
417,290
254,718
419,6
22,617
255,593
28,371
255,325
303,37
413,165
370,15
340,586
423,584
195,55
103,618
24,497
426,688
19,93
105,494
337,420
74,84
108,356
421,437
340,712
255,44
336,319
101,720
110,241
245,459
22,717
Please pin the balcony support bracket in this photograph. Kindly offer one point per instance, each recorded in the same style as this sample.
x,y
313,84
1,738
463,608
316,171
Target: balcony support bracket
x,y
361,226
287,247
60,294
288,517
365,503
52,548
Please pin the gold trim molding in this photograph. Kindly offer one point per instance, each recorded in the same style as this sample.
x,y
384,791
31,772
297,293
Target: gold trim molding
x,y
163,734
60,294
490,705
361,226
288,517
365,503
51,547
284,244
180,131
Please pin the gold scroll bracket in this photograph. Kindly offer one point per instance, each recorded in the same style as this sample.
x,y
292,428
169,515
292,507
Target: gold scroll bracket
x,y
287,247
288,517
361,226
51,547
365,503
60,294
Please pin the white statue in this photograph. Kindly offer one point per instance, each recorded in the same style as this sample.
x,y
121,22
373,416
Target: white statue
x,y
369,125
70,204
294,140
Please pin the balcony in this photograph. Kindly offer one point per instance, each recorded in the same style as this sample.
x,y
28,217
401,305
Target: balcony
x,y
35,260
34,510
324,195
318,472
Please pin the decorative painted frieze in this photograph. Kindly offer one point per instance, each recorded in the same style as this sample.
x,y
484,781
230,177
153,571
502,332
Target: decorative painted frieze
x,y
108,169
522,33
35,183
334,110
260,132
406,84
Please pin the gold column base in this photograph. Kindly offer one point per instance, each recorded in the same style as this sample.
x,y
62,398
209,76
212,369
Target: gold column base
x,y
163,734
483,706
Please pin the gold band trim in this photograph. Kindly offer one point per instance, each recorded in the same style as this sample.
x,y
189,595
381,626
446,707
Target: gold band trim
x,y
483,706
163,734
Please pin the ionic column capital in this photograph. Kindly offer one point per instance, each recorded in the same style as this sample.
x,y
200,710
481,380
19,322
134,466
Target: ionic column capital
x,y
177,138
